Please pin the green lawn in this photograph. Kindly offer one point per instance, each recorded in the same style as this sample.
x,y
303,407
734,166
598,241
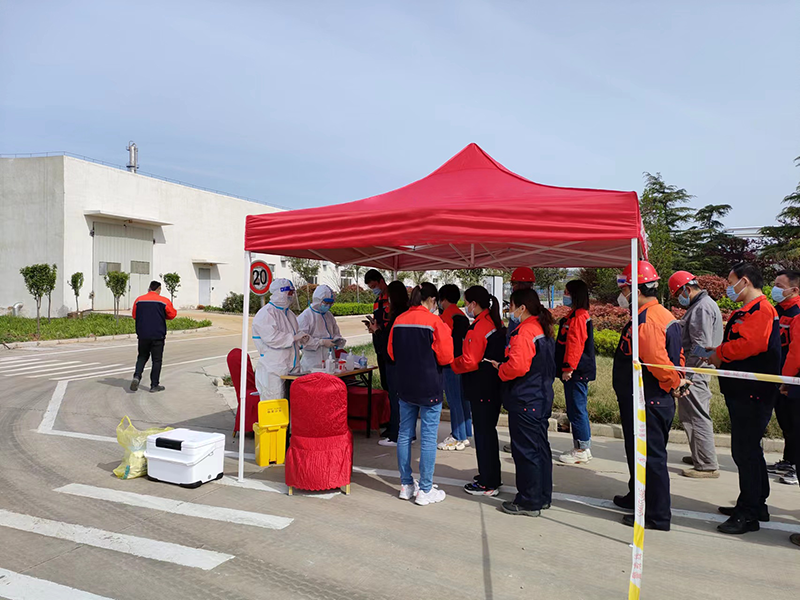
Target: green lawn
x,y
603,406
20,329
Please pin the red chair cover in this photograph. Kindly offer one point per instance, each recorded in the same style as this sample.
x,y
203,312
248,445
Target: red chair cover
x,y
357,407
235,366
320,454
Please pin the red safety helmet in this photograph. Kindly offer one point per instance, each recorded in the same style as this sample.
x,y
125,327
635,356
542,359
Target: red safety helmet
x,y
646,273
678,280
523,274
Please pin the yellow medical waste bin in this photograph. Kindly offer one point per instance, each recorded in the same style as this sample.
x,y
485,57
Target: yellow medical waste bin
x,y
273,419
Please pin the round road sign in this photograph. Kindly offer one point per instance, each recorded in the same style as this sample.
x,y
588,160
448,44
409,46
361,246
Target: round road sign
x,y
260,277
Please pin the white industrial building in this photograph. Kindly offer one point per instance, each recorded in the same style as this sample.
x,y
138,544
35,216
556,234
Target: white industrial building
x,y
90,217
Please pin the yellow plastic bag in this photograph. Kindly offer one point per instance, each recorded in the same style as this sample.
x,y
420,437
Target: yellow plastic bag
x,y
134,442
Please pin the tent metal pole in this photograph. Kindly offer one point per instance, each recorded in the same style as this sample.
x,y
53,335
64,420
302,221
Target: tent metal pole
x,y
639,432
245,357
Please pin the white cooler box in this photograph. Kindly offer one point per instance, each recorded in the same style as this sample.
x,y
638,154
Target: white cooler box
x,y
185,457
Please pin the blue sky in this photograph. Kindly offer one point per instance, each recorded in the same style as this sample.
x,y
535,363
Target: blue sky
x,y
311,103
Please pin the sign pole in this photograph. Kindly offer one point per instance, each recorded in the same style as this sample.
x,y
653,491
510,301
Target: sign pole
x,y
245,358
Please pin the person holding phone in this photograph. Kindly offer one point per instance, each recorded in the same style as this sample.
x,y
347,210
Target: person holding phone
x,y
484,342
398,304
701,327
528,372
378,323
659,344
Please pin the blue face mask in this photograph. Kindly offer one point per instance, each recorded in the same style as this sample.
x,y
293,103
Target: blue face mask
x,y
376,291
684,300
567,300
470,314
324,308
777,294
732,293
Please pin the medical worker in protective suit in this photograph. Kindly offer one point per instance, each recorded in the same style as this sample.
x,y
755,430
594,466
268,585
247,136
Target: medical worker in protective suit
x,y
320,325
278,338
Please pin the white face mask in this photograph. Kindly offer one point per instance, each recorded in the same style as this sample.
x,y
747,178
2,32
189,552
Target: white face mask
x,y
622,300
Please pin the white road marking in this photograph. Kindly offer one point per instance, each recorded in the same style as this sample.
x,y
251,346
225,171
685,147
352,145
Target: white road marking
x,y
85,367
126,369
49,418
235,454
201,511
9,368
40,368
16,586
81,436
170,341
118,542
17,360
272,486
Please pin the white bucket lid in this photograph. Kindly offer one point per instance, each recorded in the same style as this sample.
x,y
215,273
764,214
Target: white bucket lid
x,y
188,438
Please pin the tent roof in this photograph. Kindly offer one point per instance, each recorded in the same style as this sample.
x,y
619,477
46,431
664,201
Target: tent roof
x,y
471,212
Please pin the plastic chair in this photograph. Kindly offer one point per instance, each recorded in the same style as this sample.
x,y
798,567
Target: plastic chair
x,y
235,366
357,408
320,455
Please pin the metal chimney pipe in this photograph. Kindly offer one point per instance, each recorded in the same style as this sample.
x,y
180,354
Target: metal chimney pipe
x,y
133,157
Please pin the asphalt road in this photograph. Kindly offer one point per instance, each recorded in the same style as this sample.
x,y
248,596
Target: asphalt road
x,y
67,532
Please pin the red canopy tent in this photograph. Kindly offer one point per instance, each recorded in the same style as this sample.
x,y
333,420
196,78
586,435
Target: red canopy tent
x,y
471,212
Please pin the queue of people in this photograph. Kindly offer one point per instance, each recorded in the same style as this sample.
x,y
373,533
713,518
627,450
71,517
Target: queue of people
x,y
429,350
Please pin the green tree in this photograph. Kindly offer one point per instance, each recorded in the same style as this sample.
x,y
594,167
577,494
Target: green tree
x,y
306,268
602,283
703,242
172,281
470,277
418,277
38,280
546,278
76,283
783,240
663,214
447,276
117,282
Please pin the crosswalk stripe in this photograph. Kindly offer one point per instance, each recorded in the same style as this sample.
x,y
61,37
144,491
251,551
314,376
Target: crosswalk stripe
x,y
18,359
16,586
118,542
189,509
38,367
83,367
7,368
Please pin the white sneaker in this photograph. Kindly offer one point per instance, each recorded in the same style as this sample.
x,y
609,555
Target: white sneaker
x,y
466,442
576,457
407,492
447,443
387,442
462,444
432,497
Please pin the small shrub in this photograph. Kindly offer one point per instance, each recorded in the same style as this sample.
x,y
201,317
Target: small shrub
x,y
353,293
606,342
172,281
341,309
714,285
233,303
212,309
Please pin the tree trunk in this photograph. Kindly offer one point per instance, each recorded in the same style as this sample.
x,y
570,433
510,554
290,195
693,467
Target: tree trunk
x,y
116,310
38,309
49,303
77,305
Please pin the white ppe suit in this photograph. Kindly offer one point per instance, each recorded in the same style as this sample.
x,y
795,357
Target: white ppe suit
x,y
277,338
321,326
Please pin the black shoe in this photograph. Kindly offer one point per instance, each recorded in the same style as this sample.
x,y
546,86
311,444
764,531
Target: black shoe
x,y
135,384
625,501
763,512
477,478
738,525
476,489
688,460
780,467
507,448
156,388
795,539
515,509
629,521
545,506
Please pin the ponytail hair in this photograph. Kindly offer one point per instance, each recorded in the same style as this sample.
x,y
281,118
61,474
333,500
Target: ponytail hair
x,y
530,300
423,292
480,296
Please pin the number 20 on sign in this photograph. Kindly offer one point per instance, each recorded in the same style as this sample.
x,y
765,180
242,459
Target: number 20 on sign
x,y
260,277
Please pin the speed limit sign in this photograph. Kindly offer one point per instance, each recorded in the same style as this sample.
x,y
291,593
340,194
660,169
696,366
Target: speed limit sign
x,y
260,277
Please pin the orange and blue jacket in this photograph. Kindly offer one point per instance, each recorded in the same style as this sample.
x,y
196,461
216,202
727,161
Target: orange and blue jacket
x,y
660,343
575,346
752,343
788,311
458,323
420,344
480,380
529,370
151,313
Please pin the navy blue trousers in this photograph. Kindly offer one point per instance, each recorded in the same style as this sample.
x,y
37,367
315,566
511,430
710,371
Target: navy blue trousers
x,y
532,458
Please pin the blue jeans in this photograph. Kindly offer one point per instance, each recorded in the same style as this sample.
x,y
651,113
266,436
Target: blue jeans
x,y
428,430
460,412
577,395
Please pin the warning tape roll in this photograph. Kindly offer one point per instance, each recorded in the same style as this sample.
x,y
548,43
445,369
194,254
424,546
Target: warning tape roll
x,y
732,374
